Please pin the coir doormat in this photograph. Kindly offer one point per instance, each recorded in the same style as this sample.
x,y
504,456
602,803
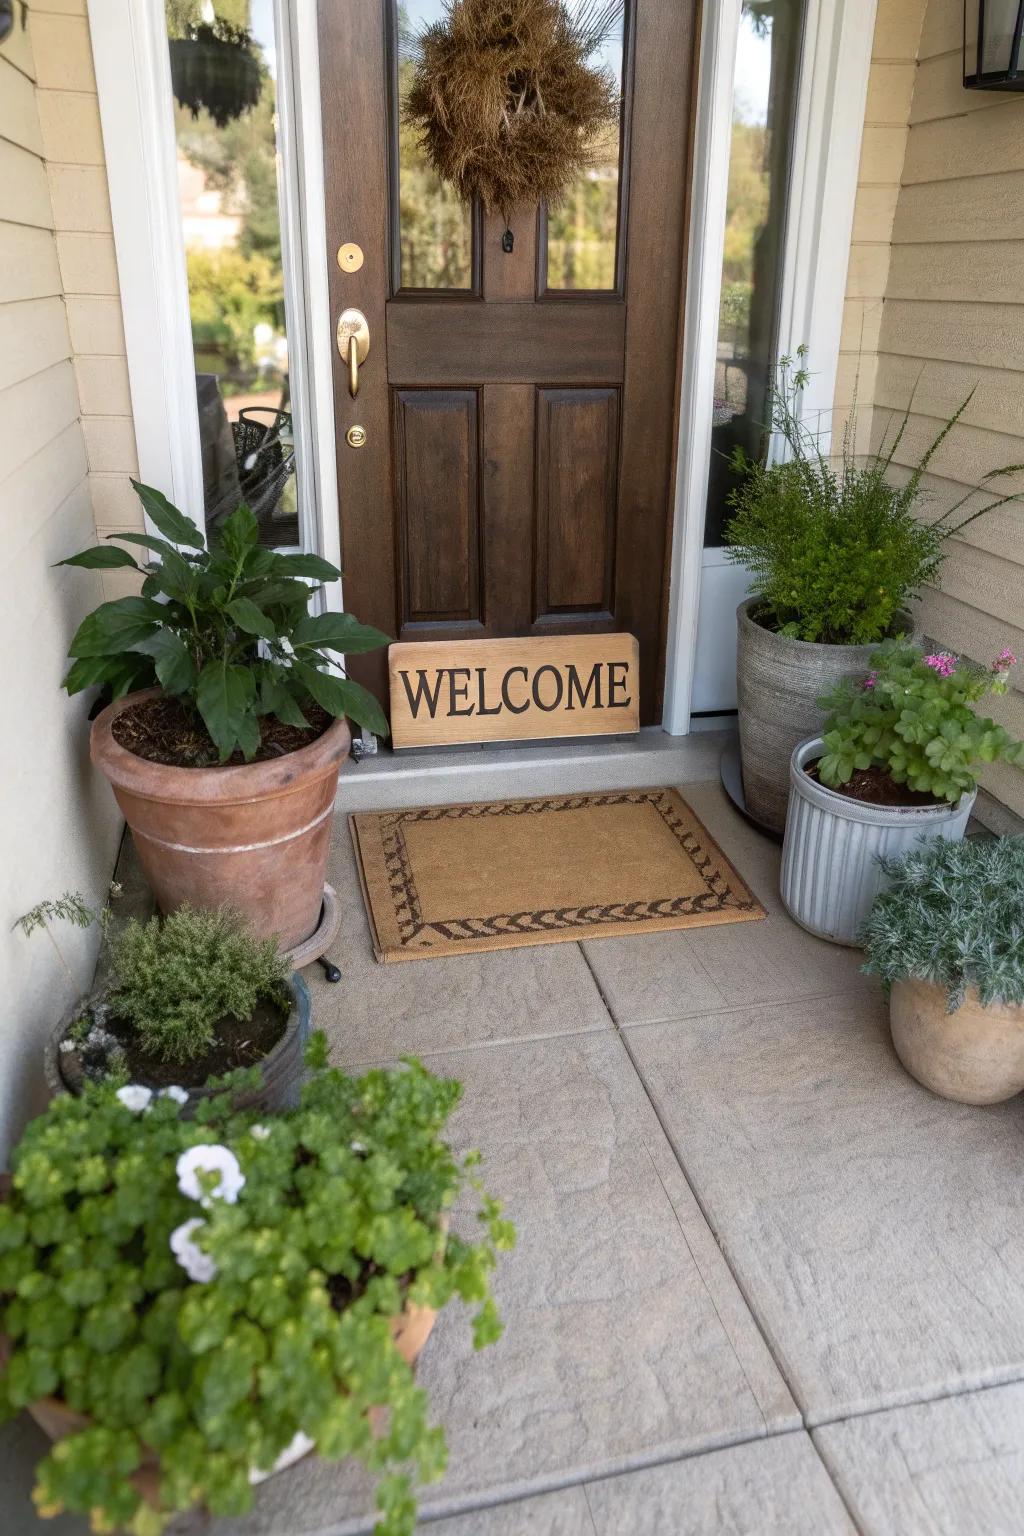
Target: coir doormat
x,y
448,879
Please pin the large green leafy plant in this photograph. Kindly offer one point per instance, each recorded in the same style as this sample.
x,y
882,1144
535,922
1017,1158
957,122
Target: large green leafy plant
x,y
834,548
208,1290
913,716
225,628
952,913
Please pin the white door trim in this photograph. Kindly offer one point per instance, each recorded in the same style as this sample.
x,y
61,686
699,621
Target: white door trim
x,y
834,68
712,136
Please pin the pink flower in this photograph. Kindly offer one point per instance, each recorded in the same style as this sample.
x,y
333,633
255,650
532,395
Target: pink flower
x,y
942,662
870,680
1004,661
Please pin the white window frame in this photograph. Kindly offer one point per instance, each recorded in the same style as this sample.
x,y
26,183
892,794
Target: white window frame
x,y
133,78
831,98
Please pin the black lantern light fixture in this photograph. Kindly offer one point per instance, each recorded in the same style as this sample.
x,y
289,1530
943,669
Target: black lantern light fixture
x,y
993,39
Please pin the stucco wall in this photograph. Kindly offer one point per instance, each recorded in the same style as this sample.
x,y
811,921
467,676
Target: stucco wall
x,y
65,440
936,285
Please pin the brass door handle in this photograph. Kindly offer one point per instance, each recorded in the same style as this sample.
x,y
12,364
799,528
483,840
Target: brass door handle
x,y
353,344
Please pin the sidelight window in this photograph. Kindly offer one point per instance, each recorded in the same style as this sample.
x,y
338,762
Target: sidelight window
x,y
763,123
223,57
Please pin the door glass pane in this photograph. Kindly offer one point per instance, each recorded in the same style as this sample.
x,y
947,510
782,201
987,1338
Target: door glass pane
x,y
764,103
435,227
583,228
223,66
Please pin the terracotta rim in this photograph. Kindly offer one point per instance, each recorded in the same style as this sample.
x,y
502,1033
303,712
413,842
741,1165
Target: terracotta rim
x,y
238,782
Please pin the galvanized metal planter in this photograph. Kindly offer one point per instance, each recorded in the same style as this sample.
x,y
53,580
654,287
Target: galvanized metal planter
x,y
830,873
778,684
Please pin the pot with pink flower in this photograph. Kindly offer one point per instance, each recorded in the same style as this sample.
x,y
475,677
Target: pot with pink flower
x,y
894,767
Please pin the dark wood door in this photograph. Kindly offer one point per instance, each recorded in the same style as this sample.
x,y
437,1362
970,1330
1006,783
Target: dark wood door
x,y
519,407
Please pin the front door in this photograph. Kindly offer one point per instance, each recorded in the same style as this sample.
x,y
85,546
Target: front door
x,y
513,471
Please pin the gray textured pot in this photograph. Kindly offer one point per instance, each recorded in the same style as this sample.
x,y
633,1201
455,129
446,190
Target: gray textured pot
x,y
778,683
830,874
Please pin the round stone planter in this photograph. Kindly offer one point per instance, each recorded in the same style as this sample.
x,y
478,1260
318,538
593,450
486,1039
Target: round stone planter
x,y
254,837
830,873
282,1069
778,684
975,1055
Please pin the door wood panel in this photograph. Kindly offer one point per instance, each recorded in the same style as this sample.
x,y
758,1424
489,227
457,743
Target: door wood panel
x,y
577,474
514,343
517,472
437,453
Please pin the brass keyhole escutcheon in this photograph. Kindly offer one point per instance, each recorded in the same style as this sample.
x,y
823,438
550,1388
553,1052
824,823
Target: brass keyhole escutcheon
x,y
350,256
355,436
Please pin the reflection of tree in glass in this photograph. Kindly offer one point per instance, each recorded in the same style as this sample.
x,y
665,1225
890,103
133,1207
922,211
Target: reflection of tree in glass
x,y
582,228
230,294
234,285
435,227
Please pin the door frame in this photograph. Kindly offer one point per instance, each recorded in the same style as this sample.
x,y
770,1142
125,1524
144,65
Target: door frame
x,y
133,82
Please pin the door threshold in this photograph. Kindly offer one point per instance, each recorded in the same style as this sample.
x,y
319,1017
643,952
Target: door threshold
x,y
393,779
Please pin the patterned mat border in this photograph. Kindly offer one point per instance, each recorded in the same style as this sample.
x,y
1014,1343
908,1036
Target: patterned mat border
x,y
715,871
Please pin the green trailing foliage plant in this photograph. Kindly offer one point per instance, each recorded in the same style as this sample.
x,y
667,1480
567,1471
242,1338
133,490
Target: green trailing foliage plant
x,y
834,548
913,716
207,1290
225,628
174,978
953,914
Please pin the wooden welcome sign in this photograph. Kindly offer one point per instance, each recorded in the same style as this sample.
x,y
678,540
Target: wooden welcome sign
x,y
447,692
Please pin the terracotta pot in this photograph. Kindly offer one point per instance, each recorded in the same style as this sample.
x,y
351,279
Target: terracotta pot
x,y
410,1330
282,1069
975,1055
254,838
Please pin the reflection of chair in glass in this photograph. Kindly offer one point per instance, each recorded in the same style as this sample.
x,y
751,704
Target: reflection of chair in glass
x,y
265,455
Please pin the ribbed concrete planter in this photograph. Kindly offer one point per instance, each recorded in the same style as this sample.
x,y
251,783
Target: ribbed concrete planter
x,y
975,1055
778,683
282,1070
254,838
830,873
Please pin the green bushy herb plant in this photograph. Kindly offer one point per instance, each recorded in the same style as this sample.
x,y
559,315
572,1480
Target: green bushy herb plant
x,y
913,716
174,978
208,1290
234,639
835,550
952,913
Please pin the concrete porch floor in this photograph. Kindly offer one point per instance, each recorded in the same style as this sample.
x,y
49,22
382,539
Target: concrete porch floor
x,y
764,1282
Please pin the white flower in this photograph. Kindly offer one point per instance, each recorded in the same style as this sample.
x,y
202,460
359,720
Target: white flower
x,y
196,1264
135,1097
358,1146
209,1158
179,1095
66,1046
259,1132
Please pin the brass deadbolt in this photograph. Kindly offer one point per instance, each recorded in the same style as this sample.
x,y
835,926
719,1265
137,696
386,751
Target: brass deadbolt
x,y
350,256
355,436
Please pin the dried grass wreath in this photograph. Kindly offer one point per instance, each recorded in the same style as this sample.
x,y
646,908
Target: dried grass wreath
x,y
506,105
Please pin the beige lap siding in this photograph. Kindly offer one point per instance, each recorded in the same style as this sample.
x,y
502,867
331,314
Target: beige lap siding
x,y
949,316
63,395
